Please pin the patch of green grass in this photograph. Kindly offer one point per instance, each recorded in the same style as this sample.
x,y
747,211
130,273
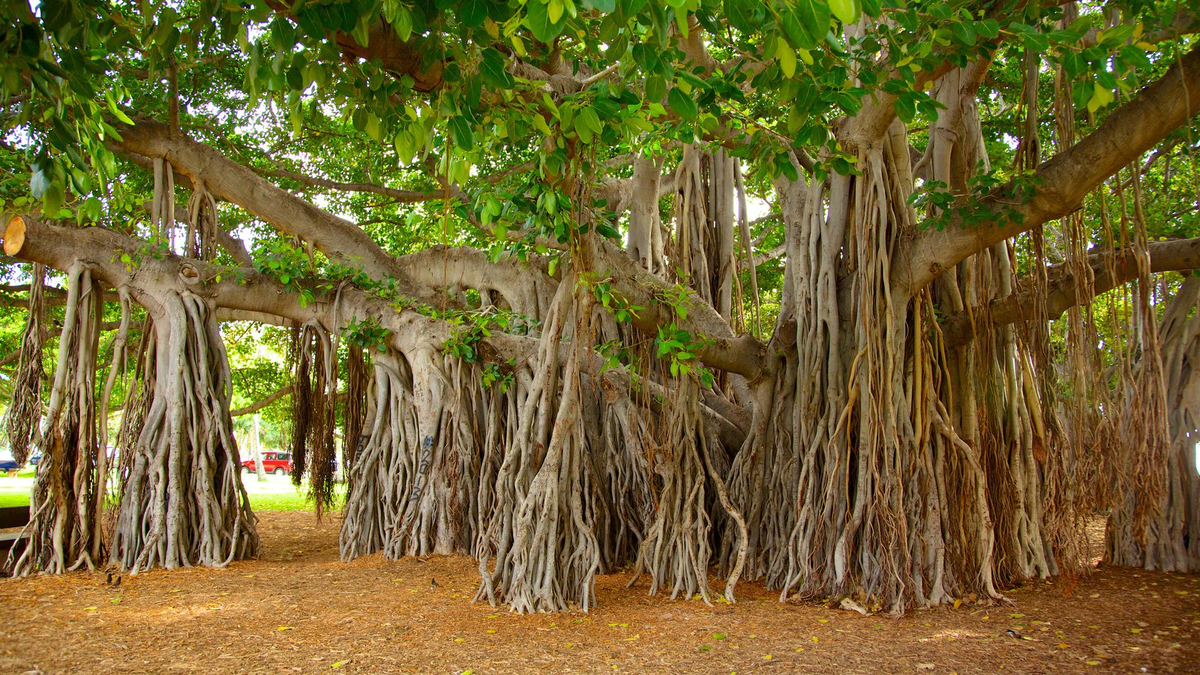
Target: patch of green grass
x,y
13,499
276,493
15,491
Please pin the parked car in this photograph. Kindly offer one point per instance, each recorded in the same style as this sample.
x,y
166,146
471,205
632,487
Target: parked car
x,y
8,464
277,463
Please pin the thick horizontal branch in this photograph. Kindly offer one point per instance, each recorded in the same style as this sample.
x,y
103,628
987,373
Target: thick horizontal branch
x,y
337,237
341,239
1061,291
263,402
722,349
245,293
1062,182
232,245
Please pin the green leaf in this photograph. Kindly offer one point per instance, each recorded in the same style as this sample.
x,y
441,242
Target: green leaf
x,y
116,111
39,182
52,200
582,128
906,108
493,70
540,123
372,127
589,117
805,23
472,13
606,230
402,23
964,33
847,11
682,104
1101,96
656,88
537,17
784,164
362,30
463,135
402,142
988,28
93,209
56,13
786,58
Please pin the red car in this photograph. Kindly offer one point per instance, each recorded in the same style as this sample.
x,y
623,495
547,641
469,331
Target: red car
x,y
277,463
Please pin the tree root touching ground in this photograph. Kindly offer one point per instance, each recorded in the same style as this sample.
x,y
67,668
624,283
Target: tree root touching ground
x,y
65,520
182,502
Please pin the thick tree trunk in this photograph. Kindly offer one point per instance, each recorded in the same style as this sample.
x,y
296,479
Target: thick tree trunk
x,y
182,502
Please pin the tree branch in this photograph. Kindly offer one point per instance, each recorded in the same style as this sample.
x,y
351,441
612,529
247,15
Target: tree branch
x,y
1061,294
337,237
250,293
262,403
1062,181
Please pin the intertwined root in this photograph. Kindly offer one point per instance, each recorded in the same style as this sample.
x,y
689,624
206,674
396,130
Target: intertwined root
x,y
183,502
1167,539
25,407
314,412
410,488
676,550
65,507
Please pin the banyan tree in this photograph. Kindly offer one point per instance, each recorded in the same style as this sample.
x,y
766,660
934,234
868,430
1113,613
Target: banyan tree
x,y
877,303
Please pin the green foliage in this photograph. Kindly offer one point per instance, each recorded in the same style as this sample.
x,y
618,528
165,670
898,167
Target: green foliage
x,y
611,299
676,345
991,200
679,348
289,266
273,85
367,334
492,375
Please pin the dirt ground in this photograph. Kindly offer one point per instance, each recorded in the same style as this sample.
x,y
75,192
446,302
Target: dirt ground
x,y
299,609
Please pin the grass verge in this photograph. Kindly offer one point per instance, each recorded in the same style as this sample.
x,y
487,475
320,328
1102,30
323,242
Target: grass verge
x,y
274,493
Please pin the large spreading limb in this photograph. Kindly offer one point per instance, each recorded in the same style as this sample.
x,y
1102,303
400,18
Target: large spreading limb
x,y
1061,292
1060,183
249,295
344,240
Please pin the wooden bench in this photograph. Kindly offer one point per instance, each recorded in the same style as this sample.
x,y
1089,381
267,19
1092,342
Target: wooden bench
x,y
11,517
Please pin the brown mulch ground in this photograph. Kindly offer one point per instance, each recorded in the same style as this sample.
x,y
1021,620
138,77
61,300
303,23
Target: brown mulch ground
x,y
299,609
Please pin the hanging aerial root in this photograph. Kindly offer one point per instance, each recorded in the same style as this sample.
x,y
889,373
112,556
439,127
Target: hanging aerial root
x,y
1166,539
355,413
676,550
64,532
413,481
539,551
25,407
183,502
314,412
